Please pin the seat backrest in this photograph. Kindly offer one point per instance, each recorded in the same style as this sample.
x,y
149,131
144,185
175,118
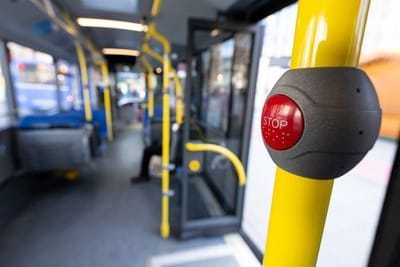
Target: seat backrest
x,y
51,121
99,118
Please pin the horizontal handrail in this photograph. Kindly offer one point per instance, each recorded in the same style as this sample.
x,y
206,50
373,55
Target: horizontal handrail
x,y
237,164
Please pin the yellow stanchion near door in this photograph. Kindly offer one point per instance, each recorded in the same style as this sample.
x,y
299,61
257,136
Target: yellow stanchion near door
x,y
328,33
165,226
149,78
107,100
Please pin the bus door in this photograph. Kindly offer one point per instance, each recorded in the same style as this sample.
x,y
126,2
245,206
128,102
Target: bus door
x,y
221,76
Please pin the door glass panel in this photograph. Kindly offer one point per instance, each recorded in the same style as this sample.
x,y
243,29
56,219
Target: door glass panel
x,y
240,83
219,87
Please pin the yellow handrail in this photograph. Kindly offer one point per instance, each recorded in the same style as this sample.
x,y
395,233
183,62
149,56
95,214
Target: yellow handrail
x,y
83,70
300,204
107,100
237,164
152,32
146,49
178,86
165,227
85,81
150,107
155,8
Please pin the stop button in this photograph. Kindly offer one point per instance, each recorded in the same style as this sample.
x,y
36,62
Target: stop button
x,y
282,122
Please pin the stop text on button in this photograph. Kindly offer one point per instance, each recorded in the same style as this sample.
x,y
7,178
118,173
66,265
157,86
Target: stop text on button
x,y
275,123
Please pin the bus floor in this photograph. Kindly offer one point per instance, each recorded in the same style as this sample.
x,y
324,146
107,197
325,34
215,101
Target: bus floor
x,y
100,219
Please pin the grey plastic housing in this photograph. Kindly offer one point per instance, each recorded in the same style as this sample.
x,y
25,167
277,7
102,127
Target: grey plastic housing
x,y
342,118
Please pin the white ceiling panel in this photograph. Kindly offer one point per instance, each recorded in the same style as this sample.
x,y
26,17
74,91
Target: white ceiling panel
x,y
221,4
123,6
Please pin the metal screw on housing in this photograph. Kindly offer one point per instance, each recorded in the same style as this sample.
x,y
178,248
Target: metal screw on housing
x,y
169,167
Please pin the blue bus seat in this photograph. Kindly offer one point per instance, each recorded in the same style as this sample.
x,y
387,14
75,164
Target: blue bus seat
x,y
51,121
157,113
54,148
99,119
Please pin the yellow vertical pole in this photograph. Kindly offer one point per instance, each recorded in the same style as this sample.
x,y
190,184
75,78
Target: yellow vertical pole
x,y
165,227
328,33
85,81
152,33
107,100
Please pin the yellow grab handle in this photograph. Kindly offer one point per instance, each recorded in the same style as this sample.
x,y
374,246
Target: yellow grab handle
x,y
237,164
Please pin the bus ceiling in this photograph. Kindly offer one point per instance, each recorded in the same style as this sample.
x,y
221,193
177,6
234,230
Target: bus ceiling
x,y
23,22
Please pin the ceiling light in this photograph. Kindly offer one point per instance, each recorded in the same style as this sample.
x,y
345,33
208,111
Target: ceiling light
x,y
112,24
121,52
214,32
158,70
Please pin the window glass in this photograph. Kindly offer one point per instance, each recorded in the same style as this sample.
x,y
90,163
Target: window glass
x,y
219,77
220,84
4,112
204,61
70,93
34,79
95,87
240,83
131,87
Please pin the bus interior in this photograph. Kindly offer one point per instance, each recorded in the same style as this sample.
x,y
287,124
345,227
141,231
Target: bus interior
x,y
130,134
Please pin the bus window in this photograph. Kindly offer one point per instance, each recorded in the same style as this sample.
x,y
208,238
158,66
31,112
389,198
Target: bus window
x,y
4,116
131,87
96,88
34,78
70,95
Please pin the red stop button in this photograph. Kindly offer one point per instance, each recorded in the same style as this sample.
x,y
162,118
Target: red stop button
x,y
282,122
